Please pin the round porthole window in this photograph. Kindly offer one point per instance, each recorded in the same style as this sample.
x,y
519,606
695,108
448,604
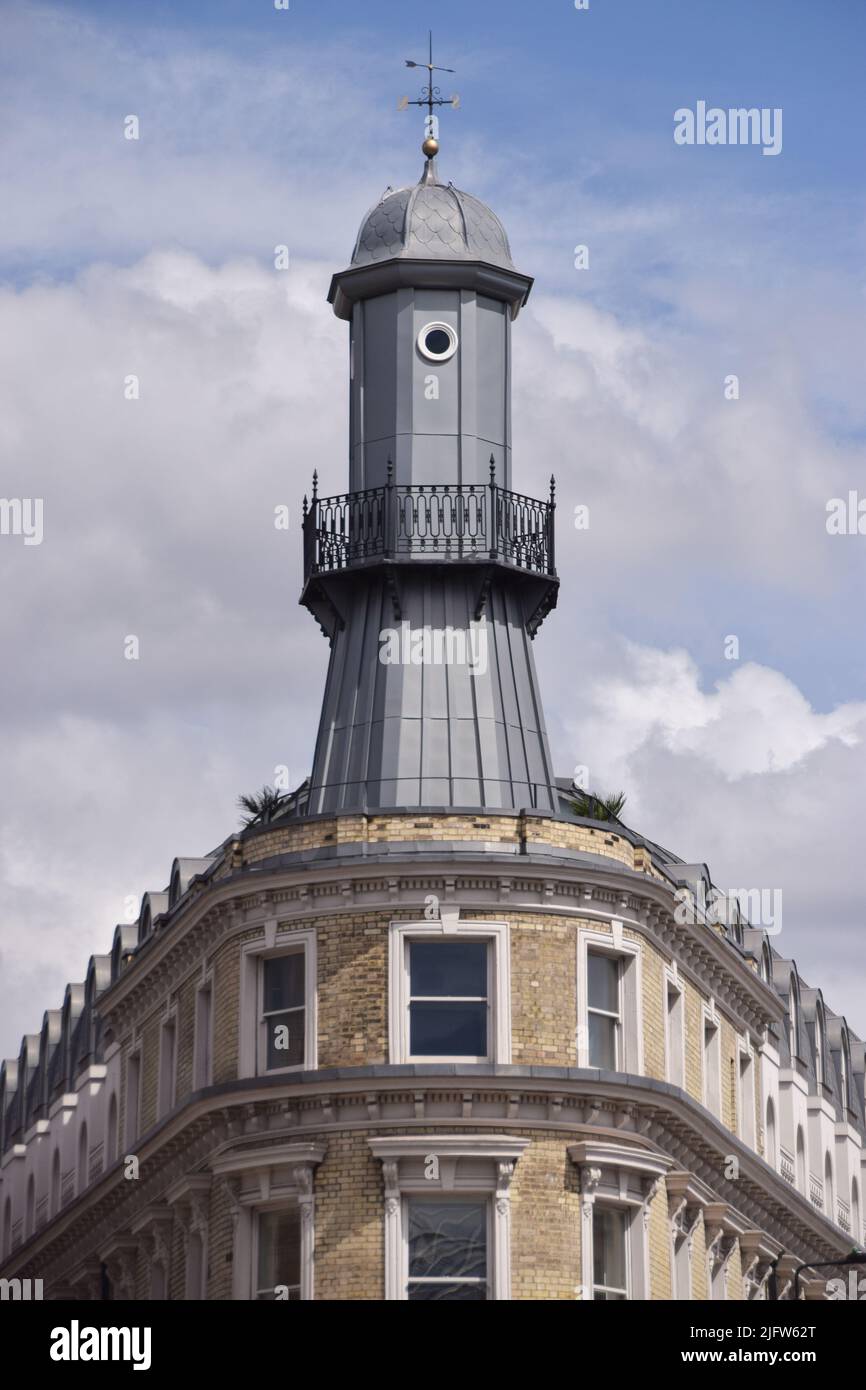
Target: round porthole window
x,y
437,341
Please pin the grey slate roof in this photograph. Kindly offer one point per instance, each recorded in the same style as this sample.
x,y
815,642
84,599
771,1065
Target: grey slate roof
x,y
428,221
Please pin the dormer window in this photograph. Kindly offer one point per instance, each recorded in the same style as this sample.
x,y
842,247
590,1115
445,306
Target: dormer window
x,y
437,342
819,1047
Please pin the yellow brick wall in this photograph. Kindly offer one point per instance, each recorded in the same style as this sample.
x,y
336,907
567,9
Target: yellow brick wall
x,y
185,1038
545,1221
660,1246
350,1206
149,1071
544,992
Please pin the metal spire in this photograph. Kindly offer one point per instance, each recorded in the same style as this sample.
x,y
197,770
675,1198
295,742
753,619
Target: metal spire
x,y
431,96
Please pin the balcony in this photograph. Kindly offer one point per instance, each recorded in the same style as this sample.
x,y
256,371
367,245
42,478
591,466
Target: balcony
x,y
459,522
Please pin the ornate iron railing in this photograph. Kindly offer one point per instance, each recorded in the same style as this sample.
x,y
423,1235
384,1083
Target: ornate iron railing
x,y
460,521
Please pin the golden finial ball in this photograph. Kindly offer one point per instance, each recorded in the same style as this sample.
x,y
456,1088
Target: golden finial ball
x,y
430,147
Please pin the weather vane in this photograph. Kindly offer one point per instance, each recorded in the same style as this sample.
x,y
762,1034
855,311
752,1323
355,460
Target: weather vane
x,y
430,97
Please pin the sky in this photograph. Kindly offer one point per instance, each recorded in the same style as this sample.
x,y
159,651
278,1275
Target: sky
x,y
154,258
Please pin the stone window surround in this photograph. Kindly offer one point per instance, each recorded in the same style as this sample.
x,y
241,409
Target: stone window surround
x,y
166,1083
626,1178
401,1157
278,939
687,1199
711,1018
302,1160
205,984
631,1007
448,926
153,1230
190,1200
748,1093
673,981
722,1230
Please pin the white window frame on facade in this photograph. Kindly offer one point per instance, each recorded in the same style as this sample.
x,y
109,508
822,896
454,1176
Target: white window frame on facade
x,y
167,1074
264,1180
496,936
675,1023
203,1037
746,1094
722,1230
687,1198
467,1165
190,1201
625,1178
712,1074
630,1040
278,940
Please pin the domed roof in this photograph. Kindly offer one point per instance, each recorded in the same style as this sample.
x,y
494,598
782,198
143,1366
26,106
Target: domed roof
x,y
431,221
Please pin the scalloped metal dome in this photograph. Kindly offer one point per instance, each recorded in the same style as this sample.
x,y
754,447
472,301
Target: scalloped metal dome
x,y
431,221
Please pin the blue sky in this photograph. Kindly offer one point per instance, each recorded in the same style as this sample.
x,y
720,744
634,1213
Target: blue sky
x,y
260,127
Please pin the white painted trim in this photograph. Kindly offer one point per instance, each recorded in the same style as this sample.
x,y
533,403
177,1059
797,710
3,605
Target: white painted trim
x,y
617,1175
404,1160
164,1081
631,995
712,1102
497,935
277,941
230,1168
203,1076
672,980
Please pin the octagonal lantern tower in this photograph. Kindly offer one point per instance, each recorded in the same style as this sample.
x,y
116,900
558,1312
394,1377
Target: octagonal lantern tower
x,y
430,575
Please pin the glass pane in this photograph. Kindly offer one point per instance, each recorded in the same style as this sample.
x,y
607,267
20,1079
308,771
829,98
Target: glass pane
x,y
447,1239
602,1041
285,1039
448,1030
449,1293
608,1248
603,979
448,967
283,986
279,1248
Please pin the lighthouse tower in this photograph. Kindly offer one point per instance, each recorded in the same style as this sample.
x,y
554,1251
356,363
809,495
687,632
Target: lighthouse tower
x,y
430,575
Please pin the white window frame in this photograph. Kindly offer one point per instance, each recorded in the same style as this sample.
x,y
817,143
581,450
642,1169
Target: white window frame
x,y
203,1046
630,1040
269,1180
167,1076
711,1076
496,936
617,1175
277,941
479,1166
746,1094
628,1214
675,1047
267,1209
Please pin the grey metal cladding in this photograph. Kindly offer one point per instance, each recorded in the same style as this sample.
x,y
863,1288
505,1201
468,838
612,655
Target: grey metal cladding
x,y
429,220
431,733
